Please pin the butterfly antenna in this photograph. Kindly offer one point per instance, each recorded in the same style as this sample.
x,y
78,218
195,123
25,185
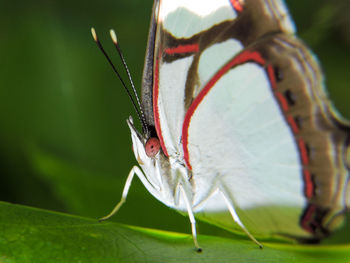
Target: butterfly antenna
x,y
116,44
94,35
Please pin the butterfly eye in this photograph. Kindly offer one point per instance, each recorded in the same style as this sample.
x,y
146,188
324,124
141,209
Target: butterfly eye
x,y
152,147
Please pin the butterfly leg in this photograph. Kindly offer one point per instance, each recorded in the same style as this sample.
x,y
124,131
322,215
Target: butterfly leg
x,y
191,216
237,220
135,170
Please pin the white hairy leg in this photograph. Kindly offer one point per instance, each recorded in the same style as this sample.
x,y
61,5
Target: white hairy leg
x,y
135,170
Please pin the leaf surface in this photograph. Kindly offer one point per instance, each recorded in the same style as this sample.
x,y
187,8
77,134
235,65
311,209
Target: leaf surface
x,y
34,235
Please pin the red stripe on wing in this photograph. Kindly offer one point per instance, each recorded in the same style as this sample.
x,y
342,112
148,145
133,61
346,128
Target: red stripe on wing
x,y
309,186
293,124
303,151
308,220
237,5
271,74
239,59
282,100
156,109
191,48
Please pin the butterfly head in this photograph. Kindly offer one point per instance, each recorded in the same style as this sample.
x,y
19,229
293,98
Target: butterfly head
x,y
163,173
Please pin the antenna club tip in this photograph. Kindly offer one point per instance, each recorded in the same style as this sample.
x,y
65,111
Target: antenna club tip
x,y
93,33
113,36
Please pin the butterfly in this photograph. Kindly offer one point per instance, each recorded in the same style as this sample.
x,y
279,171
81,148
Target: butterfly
x,y
238,130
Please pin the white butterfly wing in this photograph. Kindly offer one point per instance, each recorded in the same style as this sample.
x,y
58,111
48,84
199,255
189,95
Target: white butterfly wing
x,y
260,132
265,144
238,140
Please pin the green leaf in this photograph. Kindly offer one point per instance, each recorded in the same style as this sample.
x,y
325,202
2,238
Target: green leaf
x,y
34,235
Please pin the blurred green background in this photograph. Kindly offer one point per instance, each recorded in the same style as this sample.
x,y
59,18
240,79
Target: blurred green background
x,y
65,145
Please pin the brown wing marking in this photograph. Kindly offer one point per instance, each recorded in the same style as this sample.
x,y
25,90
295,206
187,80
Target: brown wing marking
x,y
322,137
